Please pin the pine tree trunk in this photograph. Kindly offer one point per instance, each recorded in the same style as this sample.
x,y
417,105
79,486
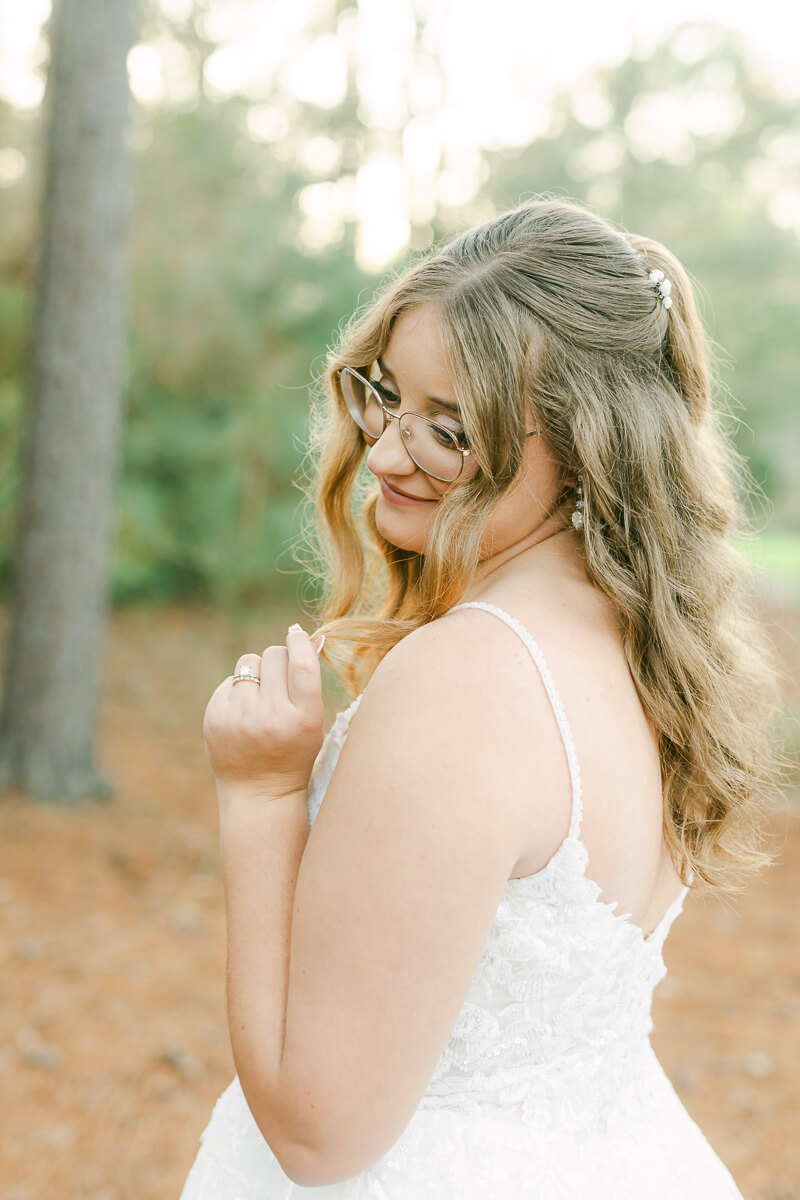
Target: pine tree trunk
x,y
54,650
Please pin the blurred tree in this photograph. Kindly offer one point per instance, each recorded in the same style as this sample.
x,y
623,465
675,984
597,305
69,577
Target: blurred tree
x,y
53,648
250,207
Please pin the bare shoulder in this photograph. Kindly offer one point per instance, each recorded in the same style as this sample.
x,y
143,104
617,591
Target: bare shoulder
x,y
463,669
571,620
463,705
577,630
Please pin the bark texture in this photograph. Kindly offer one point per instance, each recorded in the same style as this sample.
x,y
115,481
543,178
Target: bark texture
x,y
56,619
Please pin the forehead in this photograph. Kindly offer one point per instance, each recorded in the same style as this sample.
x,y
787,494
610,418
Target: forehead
x,y
414,351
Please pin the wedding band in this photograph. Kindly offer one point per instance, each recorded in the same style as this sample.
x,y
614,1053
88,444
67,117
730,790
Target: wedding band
x,y
247,673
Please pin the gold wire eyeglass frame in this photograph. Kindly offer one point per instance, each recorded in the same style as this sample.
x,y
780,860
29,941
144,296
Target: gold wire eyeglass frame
x,y
388,416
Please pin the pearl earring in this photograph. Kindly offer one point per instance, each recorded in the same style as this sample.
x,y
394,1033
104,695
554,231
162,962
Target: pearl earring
x,y
577,514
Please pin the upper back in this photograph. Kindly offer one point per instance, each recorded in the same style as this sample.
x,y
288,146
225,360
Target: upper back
x,y
575,628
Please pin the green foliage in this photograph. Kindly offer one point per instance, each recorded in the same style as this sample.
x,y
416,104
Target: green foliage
x,y
230,317
232,311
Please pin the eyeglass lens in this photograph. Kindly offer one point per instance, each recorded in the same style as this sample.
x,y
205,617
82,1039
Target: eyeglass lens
x,y
432,447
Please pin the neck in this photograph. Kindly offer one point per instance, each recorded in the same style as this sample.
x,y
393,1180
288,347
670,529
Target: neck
x,y
553,535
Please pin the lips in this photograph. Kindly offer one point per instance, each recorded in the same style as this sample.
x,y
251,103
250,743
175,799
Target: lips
x,y
401,498
408,495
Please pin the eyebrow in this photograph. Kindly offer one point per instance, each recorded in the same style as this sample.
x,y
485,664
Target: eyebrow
x,y
384,366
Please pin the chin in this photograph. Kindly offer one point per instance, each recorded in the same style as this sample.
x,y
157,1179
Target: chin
x,y
403,538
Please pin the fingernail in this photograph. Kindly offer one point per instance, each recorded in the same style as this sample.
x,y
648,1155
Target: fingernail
x,y
319,643
292,628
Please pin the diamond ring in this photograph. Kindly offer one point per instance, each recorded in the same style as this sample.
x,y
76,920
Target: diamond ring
x,y
247,673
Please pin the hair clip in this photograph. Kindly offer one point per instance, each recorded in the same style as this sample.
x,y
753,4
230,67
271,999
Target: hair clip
x,y
663,287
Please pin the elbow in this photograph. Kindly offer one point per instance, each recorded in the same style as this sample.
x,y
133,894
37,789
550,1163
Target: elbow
x,y
310,1150
307,1169
293,1146
301,1166
310,1166
298,1161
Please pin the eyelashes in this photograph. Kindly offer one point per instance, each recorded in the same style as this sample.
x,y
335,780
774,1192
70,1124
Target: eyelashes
x,y
393,398
390,397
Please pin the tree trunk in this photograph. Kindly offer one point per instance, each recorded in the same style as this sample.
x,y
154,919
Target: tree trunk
x,y
71,442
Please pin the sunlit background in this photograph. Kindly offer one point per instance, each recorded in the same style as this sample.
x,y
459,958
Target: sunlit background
x,y
437,82
290,153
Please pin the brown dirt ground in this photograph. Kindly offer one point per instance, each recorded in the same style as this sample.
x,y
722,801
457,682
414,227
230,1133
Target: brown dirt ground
x,y
113,1038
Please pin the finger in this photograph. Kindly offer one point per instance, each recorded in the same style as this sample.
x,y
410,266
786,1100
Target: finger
x,y
244,692
274,679
304,676
253,661
247,660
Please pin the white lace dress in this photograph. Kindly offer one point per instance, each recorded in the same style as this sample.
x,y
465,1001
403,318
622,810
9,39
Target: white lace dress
x,y
548,1087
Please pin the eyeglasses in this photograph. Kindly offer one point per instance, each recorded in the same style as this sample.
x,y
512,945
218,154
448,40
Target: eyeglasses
x,y
436,449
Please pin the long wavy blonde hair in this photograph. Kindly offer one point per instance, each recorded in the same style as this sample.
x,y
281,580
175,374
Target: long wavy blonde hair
x,y
548,308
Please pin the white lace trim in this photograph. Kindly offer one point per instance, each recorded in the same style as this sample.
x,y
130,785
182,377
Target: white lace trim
x,y
555,700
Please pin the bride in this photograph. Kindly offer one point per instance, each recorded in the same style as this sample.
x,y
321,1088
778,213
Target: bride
x,y
446,916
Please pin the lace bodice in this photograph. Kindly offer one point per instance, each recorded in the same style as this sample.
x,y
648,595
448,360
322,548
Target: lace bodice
x,y
559,1008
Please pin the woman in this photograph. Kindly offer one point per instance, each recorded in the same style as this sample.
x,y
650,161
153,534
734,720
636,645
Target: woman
x,y
444,988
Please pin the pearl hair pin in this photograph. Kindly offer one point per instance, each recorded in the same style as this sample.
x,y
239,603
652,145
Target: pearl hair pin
x,y
662,285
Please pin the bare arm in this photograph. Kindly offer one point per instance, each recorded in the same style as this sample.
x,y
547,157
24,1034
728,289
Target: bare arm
x,y
352,947
261,844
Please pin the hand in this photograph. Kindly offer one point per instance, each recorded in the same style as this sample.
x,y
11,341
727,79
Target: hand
x,y
263,738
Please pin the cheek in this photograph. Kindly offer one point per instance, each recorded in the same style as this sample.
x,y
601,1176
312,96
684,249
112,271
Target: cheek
x,y
526,502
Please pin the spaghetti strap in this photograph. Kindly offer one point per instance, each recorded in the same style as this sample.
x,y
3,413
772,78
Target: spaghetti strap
x,y
555,700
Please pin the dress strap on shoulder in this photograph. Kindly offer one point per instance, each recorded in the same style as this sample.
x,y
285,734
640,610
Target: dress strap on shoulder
x,y
555,700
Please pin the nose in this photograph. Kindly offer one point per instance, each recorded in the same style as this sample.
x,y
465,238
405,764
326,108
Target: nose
x,y
388,456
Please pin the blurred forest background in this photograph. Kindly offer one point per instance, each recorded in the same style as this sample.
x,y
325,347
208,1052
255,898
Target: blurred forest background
x,y
263,217
288,155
